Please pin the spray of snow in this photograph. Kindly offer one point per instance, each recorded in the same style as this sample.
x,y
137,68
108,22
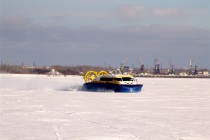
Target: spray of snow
x,y
41,82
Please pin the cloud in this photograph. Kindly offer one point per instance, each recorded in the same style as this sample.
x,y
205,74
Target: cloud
x,y
15,20
87,43
139,12
169,13
87,36
129,12
85,14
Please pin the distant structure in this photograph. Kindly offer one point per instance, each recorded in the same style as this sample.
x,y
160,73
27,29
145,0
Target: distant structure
x,y
157,69
34,64
156,66
191,72
172,71
123,65
142,69
141,66
195,70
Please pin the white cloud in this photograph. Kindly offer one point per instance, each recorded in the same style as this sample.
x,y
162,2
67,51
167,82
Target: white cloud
x,y
80,14
129,12
138,12
165,12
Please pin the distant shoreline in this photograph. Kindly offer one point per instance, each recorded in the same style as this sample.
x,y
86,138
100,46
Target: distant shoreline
x,y
136,75
172,76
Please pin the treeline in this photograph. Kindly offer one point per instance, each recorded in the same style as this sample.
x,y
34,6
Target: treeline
x,y
65,70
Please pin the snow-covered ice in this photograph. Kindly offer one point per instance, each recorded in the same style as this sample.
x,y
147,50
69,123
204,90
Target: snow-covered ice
x,y
38,107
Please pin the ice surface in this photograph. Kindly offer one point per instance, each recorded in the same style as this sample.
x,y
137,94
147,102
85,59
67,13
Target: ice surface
x,y
37,107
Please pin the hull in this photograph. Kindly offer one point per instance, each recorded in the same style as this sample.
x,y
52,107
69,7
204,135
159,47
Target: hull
x,y
112,87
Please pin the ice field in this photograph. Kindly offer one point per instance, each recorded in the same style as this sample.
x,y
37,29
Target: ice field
x,y
39,107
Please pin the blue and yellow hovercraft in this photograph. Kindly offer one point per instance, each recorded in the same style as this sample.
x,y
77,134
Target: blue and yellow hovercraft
x,y
104,81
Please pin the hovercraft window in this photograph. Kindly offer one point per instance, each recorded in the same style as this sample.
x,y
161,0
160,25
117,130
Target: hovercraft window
x,y
106,79
127,79
117,79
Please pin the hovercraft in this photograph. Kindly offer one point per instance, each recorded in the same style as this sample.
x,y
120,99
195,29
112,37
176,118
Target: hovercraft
x,y
103,81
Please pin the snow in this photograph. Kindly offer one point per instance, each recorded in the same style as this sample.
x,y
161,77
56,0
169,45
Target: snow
x,y
39,107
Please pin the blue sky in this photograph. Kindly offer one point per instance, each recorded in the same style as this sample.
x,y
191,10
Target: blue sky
x,y
94,32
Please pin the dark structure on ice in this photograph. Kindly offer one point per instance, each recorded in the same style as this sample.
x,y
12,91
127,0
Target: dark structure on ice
x,y
157,69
